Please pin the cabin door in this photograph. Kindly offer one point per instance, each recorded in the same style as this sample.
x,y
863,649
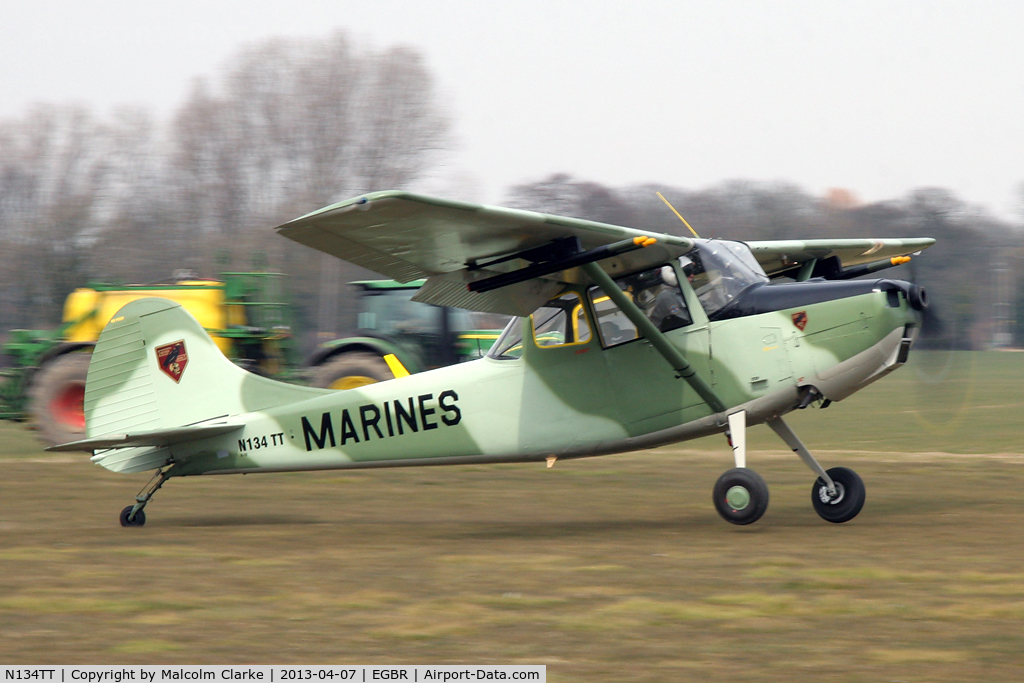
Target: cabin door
x,y
648,394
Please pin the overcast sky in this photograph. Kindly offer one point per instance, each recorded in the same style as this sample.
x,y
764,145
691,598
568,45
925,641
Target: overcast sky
x,y
876,97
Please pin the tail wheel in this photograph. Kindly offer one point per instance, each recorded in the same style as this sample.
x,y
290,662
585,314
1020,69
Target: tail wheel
x,y
351,370
138,520
741,496
56,399
845,503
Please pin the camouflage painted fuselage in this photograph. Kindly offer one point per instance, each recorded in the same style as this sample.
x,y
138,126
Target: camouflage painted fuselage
x,y
568,401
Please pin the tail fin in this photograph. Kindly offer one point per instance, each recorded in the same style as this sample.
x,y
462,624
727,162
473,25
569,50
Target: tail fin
x,y
154,368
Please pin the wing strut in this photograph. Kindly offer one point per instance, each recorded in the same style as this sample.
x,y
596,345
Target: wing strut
x,y
666,348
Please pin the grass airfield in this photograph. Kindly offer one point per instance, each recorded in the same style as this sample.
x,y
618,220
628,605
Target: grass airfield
x,y
611,569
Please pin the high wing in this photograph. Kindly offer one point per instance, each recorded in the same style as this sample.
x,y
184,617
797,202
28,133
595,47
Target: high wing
x,y
406,236
778,256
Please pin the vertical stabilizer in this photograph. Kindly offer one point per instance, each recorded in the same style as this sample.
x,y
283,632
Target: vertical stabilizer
x,y
155,367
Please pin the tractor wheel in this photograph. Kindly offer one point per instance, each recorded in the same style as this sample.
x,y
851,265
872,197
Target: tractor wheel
x,y
351,370
56,399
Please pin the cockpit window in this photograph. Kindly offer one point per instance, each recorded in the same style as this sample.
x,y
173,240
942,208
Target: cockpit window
x,y
719,271
560,322
656,292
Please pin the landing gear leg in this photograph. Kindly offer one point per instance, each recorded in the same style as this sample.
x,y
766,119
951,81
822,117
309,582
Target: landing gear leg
x,y
740,495
133,515
838,494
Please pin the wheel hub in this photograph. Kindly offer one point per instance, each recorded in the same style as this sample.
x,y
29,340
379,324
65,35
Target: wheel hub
x,y
832,498
738,497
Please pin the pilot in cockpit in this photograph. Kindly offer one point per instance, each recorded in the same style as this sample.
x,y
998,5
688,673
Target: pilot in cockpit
x,y
662,301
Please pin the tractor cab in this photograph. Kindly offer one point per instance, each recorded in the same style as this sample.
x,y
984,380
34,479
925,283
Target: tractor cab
x,y
421,336
437,335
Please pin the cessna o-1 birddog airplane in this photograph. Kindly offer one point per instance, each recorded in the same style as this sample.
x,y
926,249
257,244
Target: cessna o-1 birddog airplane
x,y
623,339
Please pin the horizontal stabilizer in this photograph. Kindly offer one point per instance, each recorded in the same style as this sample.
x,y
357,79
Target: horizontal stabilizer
x,y
155,438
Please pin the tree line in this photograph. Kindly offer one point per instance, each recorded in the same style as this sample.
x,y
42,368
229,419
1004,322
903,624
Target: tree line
x,y
290,126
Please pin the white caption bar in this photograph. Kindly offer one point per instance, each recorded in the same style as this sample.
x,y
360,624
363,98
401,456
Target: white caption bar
x,y
400,673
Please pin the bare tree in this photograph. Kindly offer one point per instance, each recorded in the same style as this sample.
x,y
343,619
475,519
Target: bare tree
x,y
292,126
300,124
288,126
563,195
51,169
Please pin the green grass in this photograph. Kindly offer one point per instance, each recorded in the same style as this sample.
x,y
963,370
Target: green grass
x,y
610,569
940,402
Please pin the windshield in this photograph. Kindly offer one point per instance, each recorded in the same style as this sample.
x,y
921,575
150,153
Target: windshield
x,y
719,271
510,344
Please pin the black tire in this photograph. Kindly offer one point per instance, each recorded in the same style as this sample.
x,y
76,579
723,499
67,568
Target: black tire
x,y
849,497
55,398
351,370
140,517
741,496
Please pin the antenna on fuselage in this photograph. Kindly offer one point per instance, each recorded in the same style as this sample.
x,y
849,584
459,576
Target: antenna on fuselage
x,y
662,198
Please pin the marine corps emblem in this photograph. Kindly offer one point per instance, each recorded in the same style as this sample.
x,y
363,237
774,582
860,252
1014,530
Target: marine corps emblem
x,y
172,359
800,320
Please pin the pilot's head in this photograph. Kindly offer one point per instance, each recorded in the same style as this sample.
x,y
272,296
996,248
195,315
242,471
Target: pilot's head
x,y
668,276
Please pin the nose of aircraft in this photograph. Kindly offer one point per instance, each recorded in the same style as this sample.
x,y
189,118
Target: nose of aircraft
x,y
913,315
916,304
915,295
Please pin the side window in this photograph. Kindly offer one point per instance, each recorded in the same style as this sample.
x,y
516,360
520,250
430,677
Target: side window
x,y
614,326
560,322
655,292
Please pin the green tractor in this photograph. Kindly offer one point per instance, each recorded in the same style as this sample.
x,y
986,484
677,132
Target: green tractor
x,y
421,336
43,382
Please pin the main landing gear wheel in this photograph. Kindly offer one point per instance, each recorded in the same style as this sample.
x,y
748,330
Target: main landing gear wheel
x,y
847,500
139,520
741,496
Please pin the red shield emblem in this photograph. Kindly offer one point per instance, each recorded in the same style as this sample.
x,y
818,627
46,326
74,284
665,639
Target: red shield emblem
x,y
172,359
800,320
